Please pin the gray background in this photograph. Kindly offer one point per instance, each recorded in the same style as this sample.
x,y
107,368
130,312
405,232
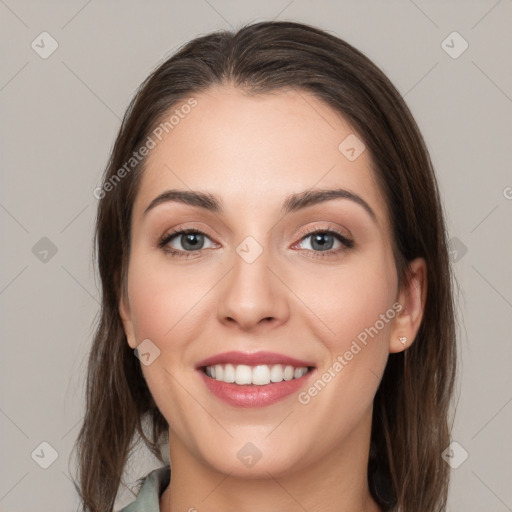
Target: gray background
x,y
59,117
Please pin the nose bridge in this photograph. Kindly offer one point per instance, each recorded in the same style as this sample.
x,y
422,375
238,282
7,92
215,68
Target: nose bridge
x,y
251,292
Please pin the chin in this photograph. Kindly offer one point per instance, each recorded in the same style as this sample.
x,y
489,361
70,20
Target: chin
x,y
255,459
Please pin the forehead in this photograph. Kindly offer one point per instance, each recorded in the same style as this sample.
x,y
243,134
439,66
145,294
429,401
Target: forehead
x,y
253,150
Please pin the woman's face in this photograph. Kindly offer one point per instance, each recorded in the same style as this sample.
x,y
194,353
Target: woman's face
x,y
254,289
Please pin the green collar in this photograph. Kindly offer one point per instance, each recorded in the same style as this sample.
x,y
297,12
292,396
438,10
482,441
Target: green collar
x,y
154,484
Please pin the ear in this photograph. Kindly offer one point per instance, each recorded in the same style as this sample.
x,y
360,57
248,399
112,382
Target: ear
x,y
412,298
126,318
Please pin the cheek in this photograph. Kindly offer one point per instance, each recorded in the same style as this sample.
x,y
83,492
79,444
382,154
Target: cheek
x,y
345,302
162,303
162,299
352,319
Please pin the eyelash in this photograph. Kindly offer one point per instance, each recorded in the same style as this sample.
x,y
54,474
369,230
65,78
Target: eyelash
x,y
347,243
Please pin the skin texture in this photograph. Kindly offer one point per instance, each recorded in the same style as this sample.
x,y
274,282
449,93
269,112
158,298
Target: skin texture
x,y
253,151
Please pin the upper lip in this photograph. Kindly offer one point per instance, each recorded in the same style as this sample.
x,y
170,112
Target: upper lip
x,y
252,359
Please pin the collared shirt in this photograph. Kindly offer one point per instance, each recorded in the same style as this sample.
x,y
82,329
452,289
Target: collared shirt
x,y
148,499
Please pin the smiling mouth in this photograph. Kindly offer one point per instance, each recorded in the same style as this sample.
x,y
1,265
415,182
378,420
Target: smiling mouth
x,y
258,375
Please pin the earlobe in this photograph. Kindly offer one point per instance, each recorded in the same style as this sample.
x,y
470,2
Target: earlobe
x,y
125,314
412,298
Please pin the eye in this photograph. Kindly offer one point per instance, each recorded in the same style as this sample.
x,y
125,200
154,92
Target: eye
x,y
183,242
323,241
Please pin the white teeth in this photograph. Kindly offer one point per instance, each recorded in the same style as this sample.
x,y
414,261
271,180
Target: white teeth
x,y
288,373
276,373
229,373
243,374
259,375
299,372
219,371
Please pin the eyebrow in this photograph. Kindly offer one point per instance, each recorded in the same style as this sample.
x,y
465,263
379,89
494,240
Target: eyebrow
x,y
292,203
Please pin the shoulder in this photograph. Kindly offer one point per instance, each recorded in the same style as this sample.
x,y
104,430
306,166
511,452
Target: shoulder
x,y
149,494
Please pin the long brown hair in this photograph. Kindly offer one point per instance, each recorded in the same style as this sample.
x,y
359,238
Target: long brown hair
x,y
410,426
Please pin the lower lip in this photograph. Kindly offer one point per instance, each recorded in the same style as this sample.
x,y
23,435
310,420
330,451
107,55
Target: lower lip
x,y
252,395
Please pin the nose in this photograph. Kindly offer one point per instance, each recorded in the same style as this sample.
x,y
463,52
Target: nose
x,y
253,296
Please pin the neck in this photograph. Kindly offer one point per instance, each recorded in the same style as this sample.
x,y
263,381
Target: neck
x,y
335,483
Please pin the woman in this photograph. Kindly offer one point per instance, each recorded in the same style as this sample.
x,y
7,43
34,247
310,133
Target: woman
x,y
272,248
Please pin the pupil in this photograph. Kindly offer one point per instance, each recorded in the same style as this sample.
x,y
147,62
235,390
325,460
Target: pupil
x,y
189,240
320,239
